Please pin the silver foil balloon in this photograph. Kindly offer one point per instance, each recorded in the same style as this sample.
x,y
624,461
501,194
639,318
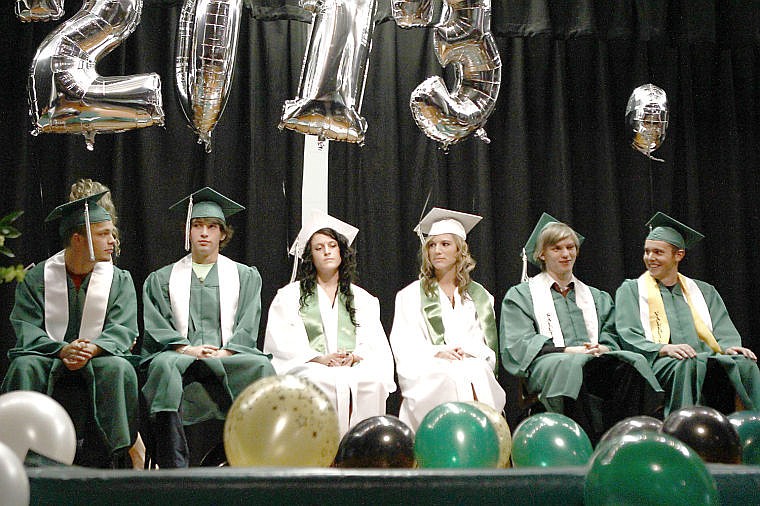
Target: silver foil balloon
x,y
205,61
39,10
334,72
66,94
412,13
646,116
462,38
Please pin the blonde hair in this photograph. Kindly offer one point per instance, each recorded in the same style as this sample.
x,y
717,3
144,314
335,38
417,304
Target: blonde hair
x,y
86,187
464,266
550,235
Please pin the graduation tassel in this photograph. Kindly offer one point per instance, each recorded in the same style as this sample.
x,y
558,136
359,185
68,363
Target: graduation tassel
x,y
89,232
524,257
187,223
295,262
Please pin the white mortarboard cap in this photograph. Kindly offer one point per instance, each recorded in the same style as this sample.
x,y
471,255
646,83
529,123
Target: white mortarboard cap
x,y
444,221
318,220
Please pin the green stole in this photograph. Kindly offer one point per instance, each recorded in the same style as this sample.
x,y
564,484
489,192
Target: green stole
x,y
431,308
312,322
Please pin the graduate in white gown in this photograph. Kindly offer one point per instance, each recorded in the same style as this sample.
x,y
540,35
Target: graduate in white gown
x,y
327,330
444,335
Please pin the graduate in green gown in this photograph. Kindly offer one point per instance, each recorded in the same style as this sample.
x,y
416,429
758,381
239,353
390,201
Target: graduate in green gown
x,y
559,334
201,325
681,325
76,314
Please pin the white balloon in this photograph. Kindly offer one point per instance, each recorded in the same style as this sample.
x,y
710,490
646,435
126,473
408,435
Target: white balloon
x,y
37,422
14,483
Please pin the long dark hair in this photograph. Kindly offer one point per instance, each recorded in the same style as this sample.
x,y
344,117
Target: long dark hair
x,y
307,272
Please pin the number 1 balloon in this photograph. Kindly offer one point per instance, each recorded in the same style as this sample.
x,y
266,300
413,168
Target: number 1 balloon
x,y
334,72
463,39
66,94
646,116
205,60
39,10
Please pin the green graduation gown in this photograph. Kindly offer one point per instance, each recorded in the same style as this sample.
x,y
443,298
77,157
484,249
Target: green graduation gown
x,y
556,375
111,376
163,389
683,380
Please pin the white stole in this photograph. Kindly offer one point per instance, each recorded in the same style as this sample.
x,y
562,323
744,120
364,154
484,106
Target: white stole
x,y
546,314
57,299
697,298
229,293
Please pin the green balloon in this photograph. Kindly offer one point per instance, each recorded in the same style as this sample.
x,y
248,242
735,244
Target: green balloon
x,y
458,435
747,424
647,468
548,440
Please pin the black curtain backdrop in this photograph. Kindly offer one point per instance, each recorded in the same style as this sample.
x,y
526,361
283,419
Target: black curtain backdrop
x,y
558,144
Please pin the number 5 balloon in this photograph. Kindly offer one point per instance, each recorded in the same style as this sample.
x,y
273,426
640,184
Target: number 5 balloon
x,y
334,71
205,61
39,10
66,94
462,38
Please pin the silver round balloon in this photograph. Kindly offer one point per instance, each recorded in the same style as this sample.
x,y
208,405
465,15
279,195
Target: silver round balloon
x,y
205,61
646,117
463,39
66,94
14,483
334,72
39,10
412,13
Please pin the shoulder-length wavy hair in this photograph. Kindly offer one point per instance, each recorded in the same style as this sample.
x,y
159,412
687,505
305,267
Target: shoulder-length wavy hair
x,y
307,272
464,266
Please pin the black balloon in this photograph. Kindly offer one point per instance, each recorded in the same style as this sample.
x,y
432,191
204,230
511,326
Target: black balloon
x,y
632,425
707,431
380,441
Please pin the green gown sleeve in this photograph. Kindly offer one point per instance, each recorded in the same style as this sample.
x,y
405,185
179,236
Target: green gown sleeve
x,y
28,317
519,339
628,321
605,310
159,334
723,328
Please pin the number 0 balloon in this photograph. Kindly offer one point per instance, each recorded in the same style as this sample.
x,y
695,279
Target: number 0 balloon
x,y
66,94
39,10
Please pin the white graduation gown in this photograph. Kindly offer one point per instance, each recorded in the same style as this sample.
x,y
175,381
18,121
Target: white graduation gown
x,y
357,392
427,381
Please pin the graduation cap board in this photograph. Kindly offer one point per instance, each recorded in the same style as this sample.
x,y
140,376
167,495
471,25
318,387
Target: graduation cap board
x,y
445,221
206,203
84,211
664,228
318,220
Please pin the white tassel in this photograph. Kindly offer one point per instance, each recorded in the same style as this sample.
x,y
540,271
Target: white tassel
x,y
187,223
524,276
89,232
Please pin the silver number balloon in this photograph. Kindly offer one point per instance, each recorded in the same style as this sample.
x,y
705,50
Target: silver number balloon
x,y
66,94
334,72
462,38
205,61
39,10
412,13
646,116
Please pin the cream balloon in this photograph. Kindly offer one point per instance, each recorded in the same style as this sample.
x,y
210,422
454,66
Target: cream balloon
x,y
503,433
281,421
34,421
14,483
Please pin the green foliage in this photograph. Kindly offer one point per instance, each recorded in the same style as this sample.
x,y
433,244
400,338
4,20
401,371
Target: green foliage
x,y
8,231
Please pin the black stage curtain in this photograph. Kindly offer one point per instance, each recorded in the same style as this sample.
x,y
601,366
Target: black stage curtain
x,y
558,144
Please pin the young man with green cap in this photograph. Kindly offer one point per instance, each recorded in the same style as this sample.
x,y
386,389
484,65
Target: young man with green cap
x,y
681,324
76,314
201,318
559,334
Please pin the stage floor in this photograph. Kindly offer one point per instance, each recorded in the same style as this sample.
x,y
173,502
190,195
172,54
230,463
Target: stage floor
x,y
738,485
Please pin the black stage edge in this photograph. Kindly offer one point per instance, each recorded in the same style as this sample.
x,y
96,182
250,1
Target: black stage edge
x,y
738,485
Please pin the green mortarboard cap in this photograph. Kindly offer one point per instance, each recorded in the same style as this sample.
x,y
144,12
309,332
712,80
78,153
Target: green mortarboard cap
x,y
72,214
208,203
664,228
530,246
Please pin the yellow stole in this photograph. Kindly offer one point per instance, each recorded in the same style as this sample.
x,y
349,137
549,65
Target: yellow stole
x,y
658,320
